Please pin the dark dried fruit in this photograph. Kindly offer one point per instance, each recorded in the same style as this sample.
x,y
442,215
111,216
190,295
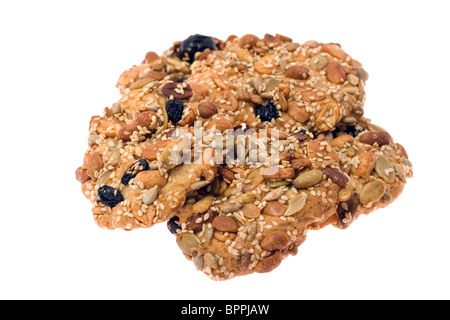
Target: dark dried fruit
x,y
266,112
135,168
174,110
302,135
353,131
177,90
346,211
109,196
173,224
193,44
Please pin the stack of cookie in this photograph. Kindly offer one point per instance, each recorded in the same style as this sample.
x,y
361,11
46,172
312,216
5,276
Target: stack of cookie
x,y
241,146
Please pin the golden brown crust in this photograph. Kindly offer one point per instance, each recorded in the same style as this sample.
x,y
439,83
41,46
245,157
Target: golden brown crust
x,y
233,219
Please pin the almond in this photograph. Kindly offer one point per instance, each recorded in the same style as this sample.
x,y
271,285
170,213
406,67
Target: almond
x,y
340,141
278,173
152,150
335,175
380,137
300,163
221,123
297,112
145,119
335,51
335,72
151,178
94,164
298,72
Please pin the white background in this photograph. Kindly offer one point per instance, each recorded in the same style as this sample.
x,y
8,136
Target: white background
x,y
59,63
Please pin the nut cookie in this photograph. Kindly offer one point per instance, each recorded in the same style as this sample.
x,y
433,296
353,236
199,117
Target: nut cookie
x,y
264,213
268,82
241,146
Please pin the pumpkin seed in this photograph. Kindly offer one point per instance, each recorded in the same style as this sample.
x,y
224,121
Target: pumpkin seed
x,y
198,262
229,207
318,62
210,260
372,191
308,179
296,204
385,170
271,85
374,127
203,204
278,183
400,172
188,242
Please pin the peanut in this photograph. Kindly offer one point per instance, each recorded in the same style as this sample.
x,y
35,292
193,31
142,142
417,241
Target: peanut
x,y
276,240
81,175
250,211
297,113
328,117
366,165
225,223
207,109
266,65
274,208
248,40
269,263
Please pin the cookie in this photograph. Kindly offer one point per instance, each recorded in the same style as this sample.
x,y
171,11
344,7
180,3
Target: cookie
x,y
241,146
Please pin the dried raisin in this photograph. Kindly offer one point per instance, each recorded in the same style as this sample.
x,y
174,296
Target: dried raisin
x,y
109,196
